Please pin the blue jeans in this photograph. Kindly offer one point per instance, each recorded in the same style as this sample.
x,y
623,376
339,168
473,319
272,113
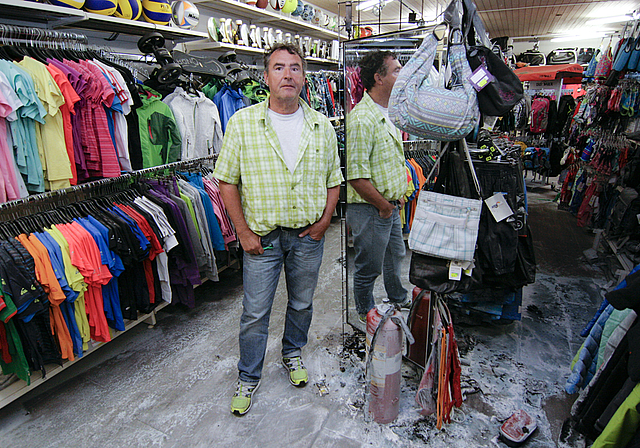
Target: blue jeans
x,y
301,258
379,248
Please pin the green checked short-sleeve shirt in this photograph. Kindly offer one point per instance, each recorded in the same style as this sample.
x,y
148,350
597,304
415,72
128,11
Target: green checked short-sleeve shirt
x,y
374,152
271,195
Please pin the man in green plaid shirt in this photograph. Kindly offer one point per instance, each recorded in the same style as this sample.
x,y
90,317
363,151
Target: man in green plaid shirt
x,y
279,174
377,182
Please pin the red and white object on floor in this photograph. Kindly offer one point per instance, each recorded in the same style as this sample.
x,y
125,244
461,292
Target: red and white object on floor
x,y
517,428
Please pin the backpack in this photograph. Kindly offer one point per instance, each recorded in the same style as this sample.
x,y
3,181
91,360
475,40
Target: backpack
x,y
540,115
566,107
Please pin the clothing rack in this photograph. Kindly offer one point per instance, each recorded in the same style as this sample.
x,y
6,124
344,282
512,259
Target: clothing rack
x,y
430,146
53,199
38,37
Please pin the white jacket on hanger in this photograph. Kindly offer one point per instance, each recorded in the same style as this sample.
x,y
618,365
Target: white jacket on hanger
x,y
198,121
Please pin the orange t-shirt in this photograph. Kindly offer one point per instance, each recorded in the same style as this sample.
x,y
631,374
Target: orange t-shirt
x,y
49,281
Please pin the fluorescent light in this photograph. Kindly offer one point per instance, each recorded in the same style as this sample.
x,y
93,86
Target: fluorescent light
x,y
370,4
578,37
613,19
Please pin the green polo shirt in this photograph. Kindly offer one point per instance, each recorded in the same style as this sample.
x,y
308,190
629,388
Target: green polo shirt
x,y
374,152
271,195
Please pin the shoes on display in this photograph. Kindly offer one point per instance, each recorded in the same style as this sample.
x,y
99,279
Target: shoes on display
x,y
242,399
297,373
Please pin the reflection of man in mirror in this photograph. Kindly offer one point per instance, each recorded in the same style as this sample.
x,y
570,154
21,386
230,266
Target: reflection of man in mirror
x,y
377,184
279,173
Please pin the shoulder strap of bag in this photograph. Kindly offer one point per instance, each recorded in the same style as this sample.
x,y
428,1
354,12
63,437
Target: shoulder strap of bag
x,y
476,183
473,22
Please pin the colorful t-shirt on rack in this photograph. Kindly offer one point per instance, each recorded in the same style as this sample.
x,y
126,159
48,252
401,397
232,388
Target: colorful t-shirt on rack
x,y
86,257
77,283
9,187
23,130
67,307
102,96
110,295
120,122
49,281
79,85
67,108
50,138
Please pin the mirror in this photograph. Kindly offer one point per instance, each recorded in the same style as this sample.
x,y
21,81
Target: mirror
x,y
361,230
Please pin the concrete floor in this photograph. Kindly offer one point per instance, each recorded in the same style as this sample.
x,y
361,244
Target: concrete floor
x,y
170,386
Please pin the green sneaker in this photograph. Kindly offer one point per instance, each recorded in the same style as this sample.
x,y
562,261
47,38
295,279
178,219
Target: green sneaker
x,y
297,373
241,401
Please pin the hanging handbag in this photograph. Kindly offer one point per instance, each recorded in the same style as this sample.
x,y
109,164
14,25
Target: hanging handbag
x,y
590,71
446,226
562,56
626,48
432,274
500,95
603,68
432,112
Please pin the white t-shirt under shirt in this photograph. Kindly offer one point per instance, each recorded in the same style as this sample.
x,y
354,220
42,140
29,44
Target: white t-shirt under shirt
x,y
289,129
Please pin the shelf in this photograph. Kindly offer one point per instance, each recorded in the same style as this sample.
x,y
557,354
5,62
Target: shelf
x,y
21,12
257,16
17,389
26,13
137,27
321,61
207,45
204,45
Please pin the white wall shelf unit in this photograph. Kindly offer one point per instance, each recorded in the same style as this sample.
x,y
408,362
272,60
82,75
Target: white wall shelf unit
x,y
26,13
207,45
254,15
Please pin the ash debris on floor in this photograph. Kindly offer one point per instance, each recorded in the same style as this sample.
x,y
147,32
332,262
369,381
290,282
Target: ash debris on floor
x,y
521,365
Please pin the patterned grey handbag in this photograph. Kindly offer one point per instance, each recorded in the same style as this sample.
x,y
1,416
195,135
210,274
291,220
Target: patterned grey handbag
x,y
432,112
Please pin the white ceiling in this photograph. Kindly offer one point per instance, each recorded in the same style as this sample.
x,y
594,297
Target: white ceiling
x,y
513,18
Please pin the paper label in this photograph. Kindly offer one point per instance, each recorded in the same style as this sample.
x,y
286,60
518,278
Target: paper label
x,y
455,271
467,268
498,207
480,78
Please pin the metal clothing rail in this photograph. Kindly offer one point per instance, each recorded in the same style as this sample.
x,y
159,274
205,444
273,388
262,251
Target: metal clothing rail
x,y
52,199
38,37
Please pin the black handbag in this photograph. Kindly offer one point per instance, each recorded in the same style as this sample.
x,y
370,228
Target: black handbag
x,y
532,58
432,274
500,95
585,55
562,56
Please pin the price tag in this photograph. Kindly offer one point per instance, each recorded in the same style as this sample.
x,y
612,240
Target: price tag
x,y
481,77
455,271
498,207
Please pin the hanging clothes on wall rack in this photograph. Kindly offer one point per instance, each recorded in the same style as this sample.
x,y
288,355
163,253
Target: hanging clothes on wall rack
x,y
71,261
69,124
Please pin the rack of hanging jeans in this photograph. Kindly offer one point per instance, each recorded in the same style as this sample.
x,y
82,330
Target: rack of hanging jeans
x,y
80,266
